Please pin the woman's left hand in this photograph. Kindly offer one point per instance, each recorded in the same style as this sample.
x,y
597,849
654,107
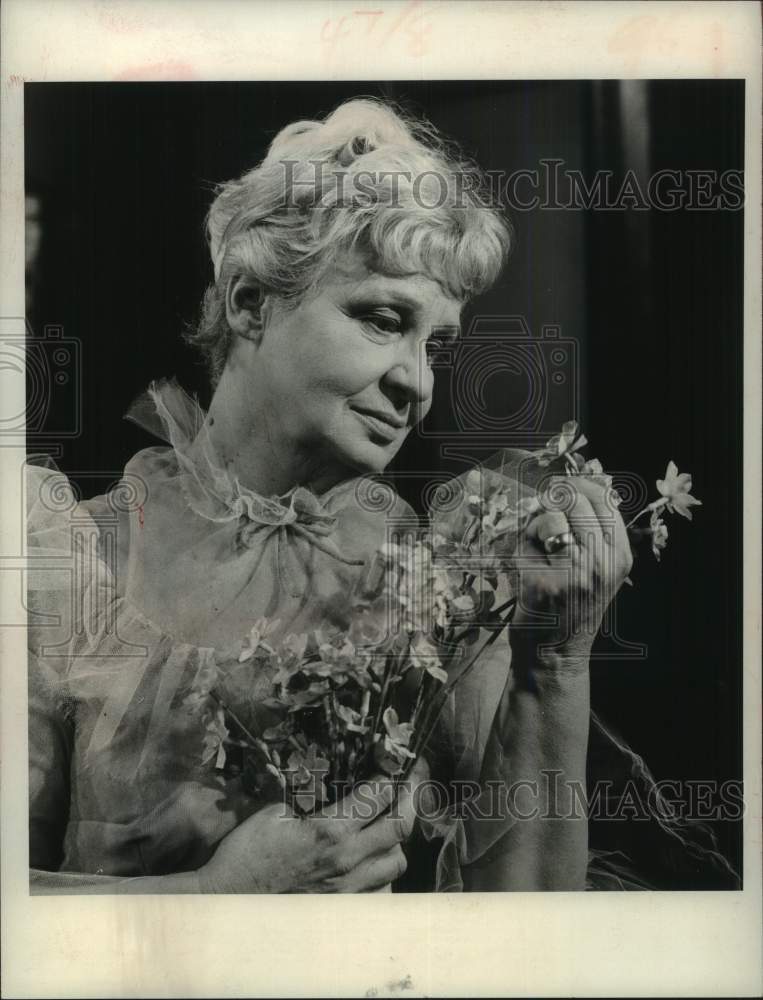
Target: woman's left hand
x,y
571,560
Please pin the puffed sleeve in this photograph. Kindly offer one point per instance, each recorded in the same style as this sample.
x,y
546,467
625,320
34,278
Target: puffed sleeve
x,y
52,587
50,744
48,498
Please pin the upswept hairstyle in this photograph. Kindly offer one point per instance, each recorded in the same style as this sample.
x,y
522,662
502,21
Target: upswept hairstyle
x,y
366,178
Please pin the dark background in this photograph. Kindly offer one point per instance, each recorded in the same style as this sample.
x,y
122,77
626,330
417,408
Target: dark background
x,y
653,299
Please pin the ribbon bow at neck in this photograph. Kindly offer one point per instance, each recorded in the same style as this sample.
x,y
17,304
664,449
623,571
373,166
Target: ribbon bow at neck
x,y
299,511
212,492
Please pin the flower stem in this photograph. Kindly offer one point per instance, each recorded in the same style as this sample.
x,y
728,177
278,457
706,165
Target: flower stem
x,y
495,632
388,669
655,505
256,744
419,699
435,706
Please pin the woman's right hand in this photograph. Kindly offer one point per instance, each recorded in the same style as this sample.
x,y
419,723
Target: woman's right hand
x,y
347,847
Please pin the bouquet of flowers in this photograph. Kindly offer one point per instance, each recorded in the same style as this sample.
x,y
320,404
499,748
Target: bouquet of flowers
x,y
308,717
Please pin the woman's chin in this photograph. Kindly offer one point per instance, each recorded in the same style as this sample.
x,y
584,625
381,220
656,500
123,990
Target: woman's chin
x,y
368,458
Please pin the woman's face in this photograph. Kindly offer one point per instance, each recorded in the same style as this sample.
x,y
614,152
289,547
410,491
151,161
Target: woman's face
x,y
344,376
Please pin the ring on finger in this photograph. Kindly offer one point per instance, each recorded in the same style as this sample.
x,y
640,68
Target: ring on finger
x,y
556,542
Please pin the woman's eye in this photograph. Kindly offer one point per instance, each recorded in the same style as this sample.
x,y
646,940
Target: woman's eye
x,y
384,321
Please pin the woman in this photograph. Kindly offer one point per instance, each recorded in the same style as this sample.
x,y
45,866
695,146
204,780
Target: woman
x,y
338,261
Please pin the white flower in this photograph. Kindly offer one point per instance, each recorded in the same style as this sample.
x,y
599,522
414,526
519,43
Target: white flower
x,y
676,488
256,638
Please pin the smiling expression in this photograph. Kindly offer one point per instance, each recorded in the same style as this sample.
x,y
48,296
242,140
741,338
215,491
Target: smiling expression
x,y
344,376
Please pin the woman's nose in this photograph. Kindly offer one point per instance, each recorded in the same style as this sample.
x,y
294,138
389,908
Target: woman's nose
x,y
411,378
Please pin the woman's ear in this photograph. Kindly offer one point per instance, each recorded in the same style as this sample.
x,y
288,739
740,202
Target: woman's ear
x,y
245,307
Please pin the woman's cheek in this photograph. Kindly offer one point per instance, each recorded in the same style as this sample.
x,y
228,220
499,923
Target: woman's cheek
x,y
354,376
418,412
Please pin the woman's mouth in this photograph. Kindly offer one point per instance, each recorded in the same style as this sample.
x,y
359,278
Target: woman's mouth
x,y
383,426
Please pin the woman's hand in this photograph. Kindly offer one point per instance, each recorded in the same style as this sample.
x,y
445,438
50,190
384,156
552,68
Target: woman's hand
x,y
540,731
351,846
570,562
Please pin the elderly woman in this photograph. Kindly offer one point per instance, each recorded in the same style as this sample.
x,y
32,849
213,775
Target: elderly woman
x,y
338,262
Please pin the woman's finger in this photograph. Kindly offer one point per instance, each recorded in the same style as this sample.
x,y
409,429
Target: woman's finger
x,y
600,500
611,525
546,526
377,871
378,838
368,800
395,825
566,495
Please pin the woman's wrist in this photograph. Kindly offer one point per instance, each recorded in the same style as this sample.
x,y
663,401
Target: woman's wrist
x,y
538,655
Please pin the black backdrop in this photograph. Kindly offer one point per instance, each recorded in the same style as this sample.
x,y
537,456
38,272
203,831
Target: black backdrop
x,y
653,300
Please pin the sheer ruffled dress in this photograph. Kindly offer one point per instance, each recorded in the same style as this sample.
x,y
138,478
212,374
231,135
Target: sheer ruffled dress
x,y
132,595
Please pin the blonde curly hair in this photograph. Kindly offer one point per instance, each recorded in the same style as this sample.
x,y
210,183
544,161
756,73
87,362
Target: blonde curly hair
x,y
366,178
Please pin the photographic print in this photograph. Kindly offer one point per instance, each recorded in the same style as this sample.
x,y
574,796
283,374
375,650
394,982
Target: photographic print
x,y
231,644
382,461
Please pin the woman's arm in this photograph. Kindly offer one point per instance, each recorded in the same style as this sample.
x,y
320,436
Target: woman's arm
x,y
537,757
50,743
539,738
45,883
352,848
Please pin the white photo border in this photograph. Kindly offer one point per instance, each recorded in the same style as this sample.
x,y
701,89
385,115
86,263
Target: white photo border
x,y
562,944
